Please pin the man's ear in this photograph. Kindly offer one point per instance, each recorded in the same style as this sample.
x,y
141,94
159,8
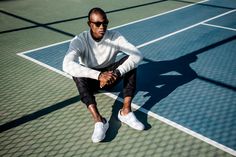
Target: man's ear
x,y
88,23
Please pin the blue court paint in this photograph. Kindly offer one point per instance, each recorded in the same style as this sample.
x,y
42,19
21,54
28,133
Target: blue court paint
x,y
188,78
52,56
148,30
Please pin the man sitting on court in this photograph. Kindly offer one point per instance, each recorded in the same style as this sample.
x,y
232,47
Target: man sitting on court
x,y
91,61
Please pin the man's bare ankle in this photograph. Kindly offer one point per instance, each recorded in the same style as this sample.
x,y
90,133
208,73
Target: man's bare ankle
x,y
125,111
100,119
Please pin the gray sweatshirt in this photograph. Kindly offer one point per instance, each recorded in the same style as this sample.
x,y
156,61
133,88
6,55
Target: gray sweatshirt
x,y
85,54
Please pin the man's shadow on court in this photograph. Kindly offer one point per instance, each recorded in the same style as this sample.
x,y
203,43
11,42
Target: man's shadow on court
x,y
153,78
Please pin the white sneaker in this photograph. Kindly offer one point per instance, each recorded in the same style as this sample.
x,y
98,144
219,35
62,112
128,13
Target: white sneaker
x,y
99,132
131,120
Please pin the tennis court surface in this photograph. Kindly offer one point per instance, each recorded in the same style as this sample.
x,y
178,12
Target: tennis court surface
x,y
185,87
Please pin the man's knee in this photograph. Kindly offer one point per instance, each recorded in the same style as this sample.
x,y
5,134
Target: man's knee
x,y
86,90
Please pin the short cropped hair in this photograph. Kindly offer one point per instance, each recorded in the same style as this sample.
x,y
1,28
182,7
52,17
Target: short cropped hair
x,y
96,10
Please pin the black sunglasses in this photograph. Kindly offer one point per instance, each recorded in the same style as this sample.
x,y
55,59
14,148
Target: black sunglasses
x,y
98,24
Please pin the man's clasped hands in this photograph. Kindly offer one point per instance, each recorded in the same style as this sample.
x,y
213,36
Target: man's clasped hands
x,y
107,78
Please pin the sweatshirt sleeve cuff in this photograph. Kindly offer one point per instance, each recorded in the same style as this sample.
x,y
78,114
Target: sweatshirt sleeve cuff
x,y
96,75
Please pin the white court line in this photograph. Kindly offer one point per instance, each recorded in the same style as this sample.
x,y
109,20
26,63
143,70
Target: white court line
x,y
154,115
217,26
152,41
160,14
184,29
119,26
43,47
44,65
177,126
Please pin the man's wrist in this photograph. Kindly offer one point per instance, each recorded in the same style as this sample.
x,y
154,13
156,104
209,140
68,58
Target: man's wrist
x,y
117,73
99,75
